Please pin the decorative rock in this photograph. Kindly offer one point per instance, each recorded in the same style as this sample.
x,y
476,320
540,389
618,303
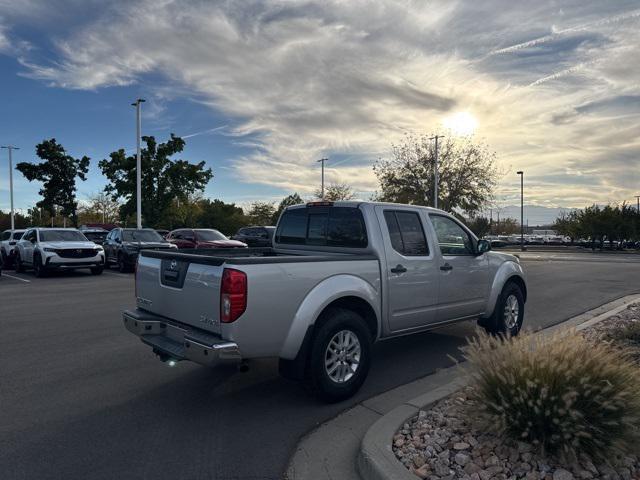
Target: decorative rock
x,y
441,469
471,468
492,461
461,446
462,459
562,474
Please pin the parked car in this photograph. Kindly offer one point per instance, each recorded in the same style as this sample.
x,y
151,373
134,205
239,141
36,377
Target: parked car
x,y
96,235
122,245
255,236
499,243
47,249
202,238
339,277
8,241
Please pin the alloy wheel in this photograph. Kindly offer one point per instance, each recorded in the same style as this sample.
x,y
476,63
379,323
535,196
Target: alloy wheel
x,y
342,356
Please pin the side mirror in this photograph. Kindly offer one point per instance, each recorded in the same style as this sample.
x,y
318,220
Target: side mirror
x,y
483,246
118,240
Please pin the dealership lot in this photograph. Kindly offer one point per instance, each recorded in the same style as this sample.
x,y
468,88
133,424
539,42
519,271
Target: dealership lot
x,y
82,398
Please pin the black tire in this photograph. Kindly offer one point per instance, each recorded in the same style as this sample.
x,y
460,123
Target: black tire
x,y
39,270
97,270
500,323
122,265
334,322
19,266
5,259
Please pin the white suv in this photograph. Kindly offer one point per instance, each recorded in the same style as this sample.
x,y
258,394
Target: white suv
x,y
8,241
45,249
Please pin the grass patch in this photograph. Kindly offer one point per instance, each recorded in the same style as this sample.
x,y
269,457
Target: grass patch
x,y
562,393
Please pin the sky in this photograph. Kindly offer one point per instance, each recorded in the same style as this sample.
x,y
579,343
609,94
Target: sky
x,y
262,89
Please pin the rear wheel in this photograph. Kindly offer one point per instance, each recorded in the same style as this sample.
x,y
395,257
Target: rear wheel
x,y
509,312
340,355
39,270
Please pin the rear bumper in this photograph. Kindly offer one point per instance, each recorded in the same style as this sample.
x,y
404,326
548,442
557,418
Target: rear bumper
x,y
178,341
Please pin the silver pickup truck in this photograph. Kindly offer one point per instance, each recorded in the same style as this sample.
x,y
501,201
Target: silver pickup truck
x,y
338,277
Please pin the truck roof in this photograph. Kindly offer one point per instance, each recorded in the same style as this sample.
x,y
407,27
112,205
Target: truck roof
x,y
358,203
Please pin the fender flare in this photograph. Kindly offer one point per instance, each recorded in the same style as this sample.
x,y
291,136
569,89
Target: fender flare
x,y
508,271
322,295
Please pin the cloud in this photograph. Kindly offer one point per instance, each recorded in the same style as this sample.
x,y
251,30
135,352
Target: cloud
x,y
299,80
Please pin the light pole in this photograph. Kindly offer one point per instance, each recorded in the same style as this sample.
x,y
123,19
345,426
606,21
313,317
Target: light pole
x,y
11,148
637,203
322,160
138,104
435,171
521,173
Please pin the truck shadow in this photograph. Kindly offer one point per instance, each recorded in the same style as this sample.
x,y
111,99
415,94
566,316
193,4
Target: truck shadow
x,y
208,423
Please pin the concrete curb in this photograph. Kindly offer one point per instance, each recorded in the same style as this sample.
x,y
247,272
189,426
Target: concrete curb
x,y
376,460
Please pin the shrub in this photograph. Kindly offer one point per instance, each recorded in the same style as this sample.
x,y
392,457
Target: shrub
x,y
561,393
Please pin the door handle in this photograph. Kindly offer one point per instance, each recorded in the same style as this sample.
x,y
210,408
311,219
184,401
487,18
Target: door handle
x,y
446,267
398,269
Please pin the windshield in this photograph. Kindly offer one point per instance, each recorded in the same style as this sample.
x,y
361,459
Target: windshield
x,y
95,235
141,236
17,235
62,236
210,235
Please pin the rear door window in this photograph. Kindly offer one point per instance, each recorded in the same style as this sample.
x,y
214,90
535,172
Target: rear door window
x,y
5,235
406,233
323,226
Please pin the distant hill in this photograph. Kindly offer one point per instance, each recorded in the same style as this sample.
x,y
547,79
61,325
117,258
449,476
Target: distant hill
x,y
535,214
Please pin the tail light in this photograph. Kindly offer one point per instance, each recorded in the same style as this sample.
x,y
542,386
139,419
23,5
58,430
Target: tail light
x,y
233,295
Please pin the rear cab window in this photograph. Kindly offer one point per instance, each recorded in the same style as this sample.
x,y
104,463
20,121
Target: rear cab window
x,y
406,233
323,226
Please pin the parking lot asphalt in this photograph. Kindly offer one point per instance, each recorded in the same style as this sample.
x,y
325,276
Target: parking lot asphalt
x,y
81,398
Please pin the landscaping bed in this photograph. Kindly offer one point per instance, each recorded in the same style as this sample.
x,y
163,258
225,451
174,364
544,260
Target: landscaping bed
x,y
463,437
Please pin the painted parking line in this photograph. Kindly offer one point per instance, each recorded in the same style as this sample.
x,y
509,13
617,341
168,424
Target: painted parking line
x,y
16,278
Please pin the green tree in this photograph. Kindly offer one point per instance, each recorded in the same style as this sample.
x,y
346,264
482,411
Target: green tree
x,y
183,213
57,171
293,199
20,220
226,217
335,192
479,225
261,213
163,179
466,170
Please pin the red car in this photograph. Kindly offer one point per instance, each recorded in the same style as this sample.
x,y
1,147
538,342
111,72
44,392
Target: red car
x,y
202,238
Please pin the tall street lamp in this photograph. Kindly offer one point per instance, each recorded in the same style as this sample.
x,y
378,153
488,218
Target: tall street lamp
x,y
322,161
521,173
11,148
435,171
138,104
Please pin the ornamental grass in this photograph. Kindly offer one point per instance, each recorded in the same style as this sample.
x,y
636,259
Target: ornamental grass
x,y
564,394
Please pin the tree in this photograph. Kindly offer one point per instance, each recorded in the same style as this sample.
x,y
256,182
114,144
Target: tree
x,y
58,173
261,213
99,208
163,179
479,225
466,170
183,213
293,199
508,226
335,192
20,220
226,217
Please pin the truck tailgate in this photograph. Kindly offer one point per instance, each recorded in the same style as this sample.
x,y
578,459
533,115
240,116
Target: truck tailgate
x,y
180,290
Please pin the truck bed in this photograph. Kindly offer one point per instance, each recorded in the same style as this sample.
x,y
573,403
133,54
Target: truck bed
x,y
250,256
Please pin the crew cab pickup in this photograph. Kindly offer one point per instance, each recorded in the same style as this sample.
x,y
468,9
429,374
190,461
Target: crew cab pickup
x,y
338,277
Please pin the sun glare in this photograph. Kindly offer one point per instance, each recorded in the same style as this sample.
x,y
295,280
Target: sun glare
x,y
461,123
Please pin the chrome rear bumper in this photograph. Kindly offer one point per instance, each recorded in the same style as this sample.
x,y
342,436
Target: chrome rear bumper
x,y
178,341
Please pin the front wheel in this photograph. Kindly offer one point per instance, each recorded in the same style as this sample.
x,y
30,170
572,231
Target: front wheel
x,y
509,312
122,265
340,355
97,270
19,265
39,270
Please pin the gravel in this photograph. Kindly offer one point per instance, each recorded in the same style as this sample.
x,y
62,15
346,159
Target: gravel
x,y
439,444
